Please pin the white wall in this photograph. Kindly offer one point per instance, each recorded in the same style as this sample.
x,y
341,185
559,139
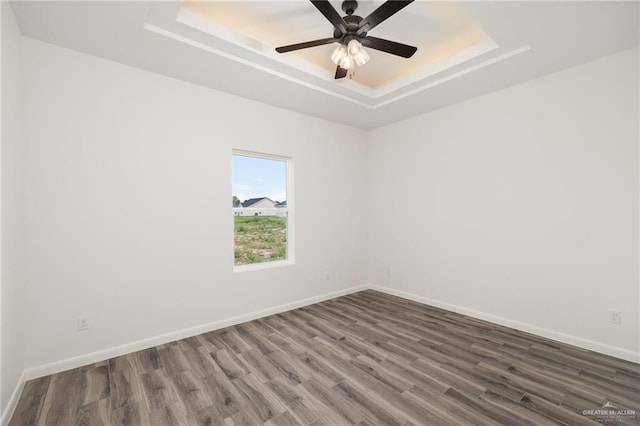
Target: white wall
x,y
129,204
521,204
11,285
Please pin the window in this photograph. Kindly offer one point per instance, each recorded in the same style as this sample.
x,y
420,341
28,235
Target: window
x,y
262,210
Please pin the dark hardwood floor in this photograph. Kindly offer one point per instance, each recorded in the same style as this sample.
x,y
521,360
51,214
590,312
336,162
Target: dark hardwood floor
x,y
367,359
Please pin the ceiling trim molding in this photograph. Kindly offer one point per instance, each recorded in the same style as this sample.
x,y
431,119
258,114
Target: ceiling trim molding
x,y
205,47
236,58
455,75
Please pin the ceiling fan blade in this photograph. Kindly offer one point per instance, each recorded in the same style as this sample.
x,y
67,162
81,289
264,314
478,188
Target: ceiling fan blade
x,y
388,46
331,14
340,73
388,9
306,44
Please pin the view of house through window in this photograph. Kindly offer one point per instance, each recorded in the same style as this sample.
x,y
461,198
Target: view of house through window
x,y
260,208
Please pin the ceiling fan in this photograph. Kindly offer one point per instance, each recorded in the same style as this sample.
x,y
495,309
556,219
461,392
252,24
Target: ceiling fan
x,y
351,31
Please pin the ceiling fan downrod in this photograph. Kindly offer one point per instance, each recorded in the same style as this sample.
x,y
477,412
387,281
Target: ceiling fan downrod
x,y
349,6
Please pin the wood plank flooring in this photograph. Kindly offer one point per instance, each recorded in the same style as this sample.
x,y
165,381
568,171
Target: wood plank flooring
x,y
366,359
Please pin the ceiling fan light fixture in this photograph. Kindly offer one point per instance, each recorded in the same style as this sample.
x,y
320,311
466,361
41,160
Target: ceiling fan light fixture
x,y
339,54
350,56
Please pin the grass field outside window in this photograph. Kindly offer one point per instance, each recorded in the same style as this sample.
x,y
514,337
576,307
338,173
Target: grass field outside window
x,y
259,239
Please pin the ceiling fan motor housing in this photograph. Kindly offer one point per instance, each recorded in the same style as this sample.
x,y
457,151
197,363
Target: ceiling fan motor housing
x,y
352,21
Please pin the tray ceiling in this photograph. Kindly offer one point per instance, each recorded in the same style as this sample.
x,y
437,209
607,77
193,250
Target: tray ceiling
x,y
465,49
443,32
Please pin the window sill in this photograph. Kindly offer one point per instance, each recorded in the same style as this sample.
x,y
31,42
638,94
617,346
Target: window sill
x,y
263,265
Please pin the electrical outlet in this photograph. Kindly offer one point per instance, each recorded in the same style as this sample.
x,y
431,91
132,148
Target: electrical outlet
x,y
615,317
83,323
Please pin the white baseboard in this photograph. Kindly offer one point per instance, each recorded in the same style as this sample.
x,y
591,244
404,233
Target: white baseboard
x,y
69,363
13,401
90,358
591,345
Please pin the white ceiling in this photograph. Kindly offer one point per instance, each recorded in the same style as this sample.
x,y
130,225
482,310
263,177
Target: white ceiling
x,y
464,49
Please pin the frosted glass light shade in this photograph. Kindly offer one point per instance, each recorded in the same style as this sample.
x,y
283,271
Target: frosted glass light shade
x,y
354,47
347,62
339,54
361,58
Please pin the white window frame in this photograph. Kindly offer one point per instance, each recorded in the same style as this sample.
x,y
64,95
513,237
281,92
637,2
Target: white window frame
x,y
290,260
